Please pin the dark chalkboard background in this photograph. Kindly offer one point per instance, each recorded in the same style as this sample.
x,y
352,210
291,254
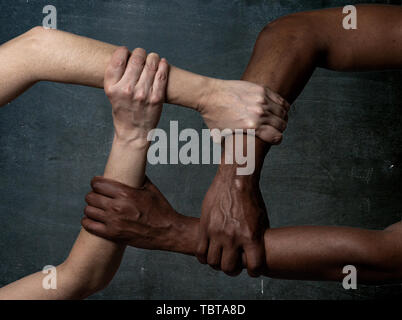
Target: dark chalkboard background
x,y
340,162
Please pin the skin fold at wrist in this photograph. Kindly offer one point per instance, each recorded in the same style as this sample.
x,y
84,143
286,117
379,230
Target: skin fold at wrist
x,y
137,141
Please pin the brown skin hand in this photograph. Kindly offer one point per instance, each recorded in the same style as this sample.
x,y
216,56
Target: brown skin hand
x,y
143,218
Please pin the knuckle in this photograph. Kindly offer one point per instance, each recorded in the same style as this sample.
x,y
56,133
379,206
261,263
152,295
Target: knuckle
x,y
260,99
260,90
140,95
249,236
230,235
251,124
109,91
156,99
123,194
259,110
161,76
126,91
117,208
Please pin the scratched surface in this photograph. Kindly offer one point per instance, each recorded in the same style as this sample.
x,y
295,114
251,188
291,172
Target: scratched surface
x,y
340,162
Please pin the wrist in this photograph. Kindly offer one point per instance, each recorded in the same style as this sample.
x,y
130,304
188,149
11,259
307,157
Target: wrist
x,y
189,89
207,94
183,237
229,173
132,141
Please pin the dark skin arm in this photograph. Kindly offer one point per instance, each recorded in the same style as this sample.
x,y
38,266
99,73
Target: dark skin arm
x,y
143,218
285,55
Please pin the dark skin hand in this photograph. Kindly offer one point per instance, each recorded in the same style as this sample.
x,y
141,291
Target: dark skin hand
x,y
139,217
233,221
143,218
285,56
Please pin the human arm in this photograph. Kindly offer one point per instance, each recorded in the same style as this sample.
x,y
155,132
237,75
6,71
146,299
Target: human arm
x,y
147,220
52,55
93,261
285,55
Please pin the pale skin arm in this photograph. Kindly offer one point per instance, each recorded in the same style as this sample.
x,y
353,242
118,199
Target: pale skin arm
x,y
93,261
53,55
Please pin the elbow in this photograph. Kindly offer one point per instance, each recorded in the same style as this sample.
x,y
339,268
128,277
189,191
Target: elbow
x,y
297,31
35,40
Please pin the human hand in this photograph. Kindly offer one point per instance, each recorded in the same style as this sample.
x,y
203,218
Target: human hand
x,y
233,223
139,217
245,105
136,88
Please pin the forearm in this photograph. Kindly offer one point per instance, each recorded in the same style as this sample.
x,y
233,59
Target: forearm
x,y
320,253
95,258
93,261
289,49
317,253
53,55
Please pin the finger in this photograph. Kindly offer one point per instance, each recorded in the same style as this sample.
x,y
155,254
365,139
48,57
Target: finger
x,y
95,214
160,82
94,227
109,188
97,200
148,74
116,67
214,255
269,134
230,261
135,66
255,254
274,121
202,248
275,97
277,110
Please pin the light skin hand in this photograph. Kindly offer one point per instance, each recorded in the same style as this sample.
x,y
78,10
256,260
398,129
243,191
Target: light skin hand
x,y
245,105
54,55
135,96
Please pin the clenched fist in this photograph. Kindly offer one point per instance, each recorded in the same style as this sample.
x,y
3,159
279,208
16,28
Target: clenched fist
x,y
245,105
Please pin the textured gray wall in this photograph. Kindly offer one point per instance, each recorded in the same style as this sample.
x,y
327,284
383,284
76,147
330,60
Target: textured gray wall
x,y
340,162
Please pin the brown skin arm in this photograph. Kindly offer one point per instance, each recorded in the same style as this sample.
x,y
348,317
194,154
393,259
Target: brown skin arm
x,y
285,55
145,219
